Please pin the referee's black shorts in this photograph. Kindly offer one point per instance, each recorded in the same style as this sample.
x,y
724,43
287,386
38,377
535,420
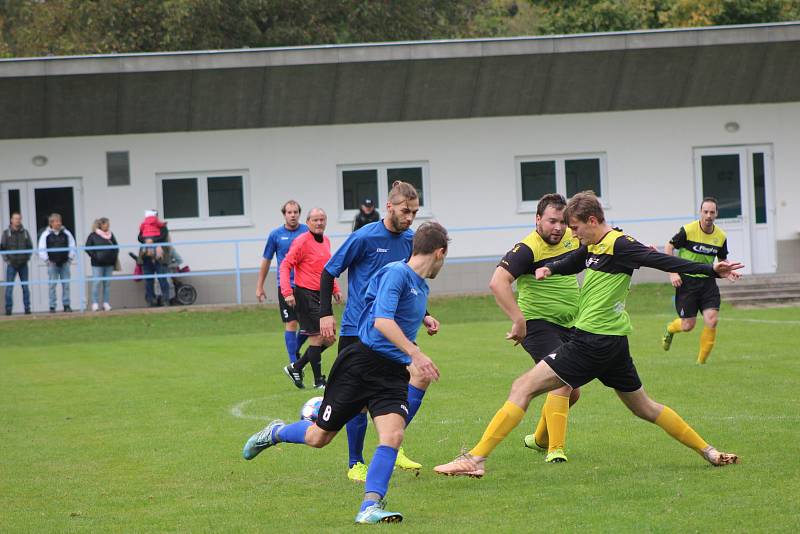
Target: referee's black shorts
x,y
696,294
543,337
361,377
287,312
588,356
307,308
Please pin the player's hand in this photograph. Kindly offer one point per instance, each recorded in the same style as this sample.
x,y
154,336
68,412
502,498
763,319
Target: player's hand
x,y
518,332
431,325
260,295
290,301
727,268
424,365
337,298
327,327
542,273
675,279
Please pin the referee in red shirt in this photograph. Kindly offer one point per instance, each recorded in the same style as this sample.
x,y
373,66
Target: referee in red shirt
x,y
307,257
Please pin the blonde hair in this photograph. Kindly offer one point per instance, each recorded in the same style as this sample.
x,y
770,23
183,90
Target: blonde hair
x,y
402,191
99,222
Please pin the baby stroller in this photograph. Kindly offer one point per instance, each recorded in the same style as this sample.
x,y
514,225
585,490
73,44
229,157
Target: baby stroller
x,y
183,293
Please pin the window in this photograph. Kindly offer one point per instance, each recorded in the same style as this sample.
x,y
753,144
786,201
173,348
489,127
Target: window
x,y
567,175
202,200
118,168
374,181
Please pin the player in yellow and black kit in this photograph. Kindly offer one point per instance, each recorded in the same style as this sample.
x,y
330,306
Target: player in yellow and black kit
x,y
701,241
599,346
543,313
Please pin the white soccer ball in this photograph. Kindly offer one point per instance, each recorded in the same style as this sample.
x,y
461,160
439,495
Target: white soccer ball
x,y
310,409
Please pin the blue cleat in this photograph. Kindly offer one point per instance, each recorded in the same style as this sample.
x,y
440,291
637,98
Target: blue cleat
x,y
376,514
261,440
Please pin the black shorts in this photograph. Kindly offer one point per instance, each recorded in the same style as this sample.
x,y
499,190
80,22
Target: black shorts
x,y
588,356
345,341
360,377
306,303
696,294
543,337
287,312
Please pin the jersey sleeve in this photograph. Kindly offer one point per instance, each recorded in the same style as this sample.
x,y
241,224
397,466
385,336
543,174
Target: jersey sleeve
x,y
632,254
290,262
388,294
570,263
271,247
723,250
350,250
679,239
518,260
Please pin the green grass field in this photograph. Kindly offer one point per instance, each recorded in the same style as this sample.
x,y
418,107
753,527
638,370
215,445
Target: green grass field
x,y
125,423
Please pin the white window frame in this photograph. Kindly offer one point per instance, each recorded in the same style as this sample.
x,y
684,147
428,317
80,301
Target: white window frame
x,y
529,206
204,220
346,216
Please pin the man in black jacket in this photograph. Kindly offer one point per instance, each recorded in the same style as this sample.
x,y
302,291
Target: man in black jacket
x,y
366,214
15,237
57,249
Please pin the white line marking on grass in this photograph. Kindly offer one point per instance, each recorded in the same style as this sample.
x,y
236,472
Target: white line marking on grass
x,y
238,410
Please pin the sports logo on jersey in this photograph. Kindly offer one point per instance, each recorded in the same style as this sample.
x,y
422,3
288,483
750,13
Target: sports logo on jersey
x,y
702,249
619,307
516,248
629,238
414,291
284,238
568,243
594,260
379,249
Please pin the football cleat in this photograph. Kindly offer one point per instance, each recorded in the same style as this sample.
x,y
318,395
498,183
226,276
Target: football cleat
x,y
357,473
295,376
261,440
465,465
556,456
530,442
666,340
718,459
321,383
404,462
376,514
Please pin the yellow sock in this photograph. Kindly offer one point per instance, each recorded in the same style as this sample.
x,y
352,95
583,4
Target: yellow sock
x,y
675,326
540,434
502,423
676,427
556,411
707,339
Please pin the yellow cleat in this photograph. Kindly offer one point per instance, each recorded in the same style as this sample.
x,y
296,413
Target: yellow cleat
x,y
555,457
666,340
404,462
530,442
357,473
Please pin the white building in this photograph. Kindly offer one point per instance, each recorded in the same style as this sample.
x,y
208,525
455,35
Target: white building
x,y
217,141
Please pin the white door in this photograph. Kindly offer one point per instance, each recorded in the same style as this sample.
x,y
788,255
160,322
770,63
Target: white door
x,y
36,200
740,178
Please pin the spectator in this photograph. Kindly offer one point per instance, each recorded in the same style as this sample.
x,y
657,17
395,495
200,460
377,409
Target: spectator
x,y
103,261
57,237
366,214
15,237
153,228
155,260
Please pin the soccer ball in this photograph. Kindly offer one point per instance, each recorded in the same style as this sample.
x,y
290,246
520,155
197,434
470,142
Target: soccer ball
x,y
310,409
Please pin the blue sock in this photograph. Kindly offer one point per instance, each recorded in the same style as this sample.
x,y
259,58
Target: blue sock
x,y
380,471
290,338
293,433
301,338
356,432
414,402
366,504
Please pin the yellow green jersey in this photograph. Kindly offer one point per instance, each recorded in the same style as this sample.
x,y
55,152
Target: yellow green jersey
x,y
610,264
695,244
554,299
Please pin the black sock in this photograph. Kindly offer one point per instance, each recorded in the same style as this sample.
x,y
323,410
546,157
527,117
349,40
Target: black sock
x,y
315,359
302,361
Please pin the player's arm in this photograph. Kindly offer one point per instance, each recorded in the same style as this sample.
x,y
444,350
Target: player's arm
x,y
677,241
514,264
392,331
633,254
266,259
570,263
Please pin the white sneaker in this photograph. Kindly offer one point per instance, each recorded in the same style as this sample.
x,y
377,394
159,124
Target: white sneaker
x,y
106,306
95,307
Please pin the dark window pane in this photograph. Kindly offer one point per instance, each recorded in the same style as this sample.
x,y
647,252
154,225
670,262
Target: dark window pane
x,y
118,168
14,204
721,180
358,185
55,200
412,175
180,198
760,193
583,175
225,196
538,179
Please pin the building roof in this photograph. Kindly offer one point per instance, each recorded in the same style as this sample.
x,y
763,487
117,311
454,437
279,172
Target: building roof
x,y
405,81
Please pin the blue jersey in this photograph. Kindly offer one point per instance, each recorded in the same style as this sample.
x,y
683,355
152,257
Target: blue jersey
x,y
363,253
395,292
278,243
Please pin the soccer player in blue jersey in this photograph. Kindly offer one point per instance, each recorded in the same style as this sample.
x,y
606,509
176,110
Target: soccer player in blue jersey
x,y
278,243
362,255
373,372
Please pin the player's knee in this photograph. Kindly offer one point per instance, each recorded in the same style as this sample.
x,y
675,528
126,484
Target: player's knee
x,y
521,388
318,439
711,322
648,410
687,326
574,396
392,438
